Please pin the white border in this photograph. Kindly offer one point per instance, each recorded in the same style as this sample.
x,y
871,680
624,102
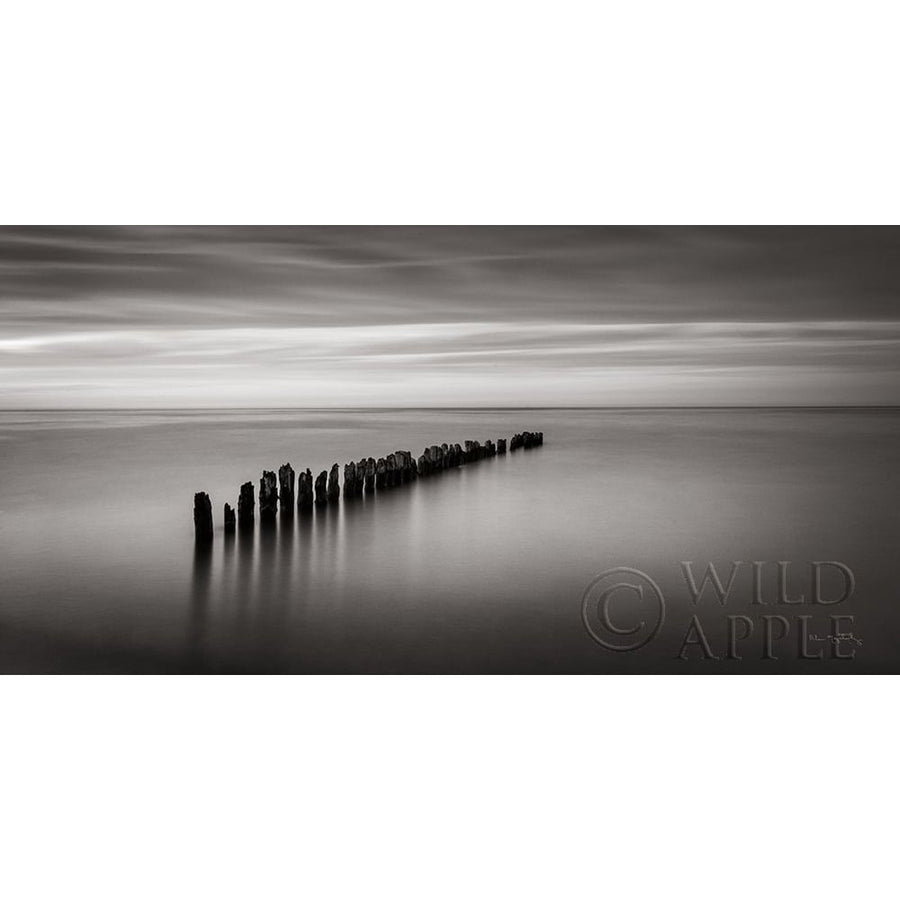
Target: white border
x,y
448,787
695,112
776,111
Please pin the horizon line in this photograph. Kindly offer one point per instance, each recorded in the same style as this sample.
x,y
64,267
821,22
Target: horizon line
x,y
150,409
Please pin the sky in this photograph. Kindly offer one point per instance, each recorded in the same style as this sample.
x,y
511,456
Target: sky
x,y
505,316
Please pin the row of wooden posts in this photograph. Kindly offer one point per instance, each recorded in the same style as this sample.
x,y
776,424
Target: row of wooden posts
x,y
365,476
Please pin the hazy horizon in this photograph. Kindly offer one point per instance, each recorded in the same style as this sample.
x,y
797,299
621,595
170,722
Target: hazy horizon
x,y
472,408
448,317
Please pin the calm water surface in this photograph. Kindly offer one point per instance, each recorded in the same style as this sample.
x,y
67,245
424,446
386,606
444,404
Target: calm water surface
x,y
482,569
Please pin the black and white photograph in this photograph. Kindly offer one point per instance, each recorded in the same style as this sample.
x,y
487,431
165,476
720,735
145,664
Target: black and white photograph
x,y
450,449
443,446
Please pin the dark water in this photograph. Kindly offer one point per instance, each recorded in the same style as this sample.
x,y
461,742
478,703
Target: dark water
x,y
482,569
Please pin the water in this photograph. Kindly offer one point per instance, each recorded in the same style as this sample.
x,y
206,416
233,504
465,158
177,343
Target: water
x,y
482,569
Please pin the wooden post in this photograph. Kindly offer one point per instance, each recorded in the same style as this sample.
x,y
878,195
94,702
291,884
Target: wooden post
x,y
286,489
268,497
203,521
305,491
229,519
322,489
334,485
391,470
349,480
246,505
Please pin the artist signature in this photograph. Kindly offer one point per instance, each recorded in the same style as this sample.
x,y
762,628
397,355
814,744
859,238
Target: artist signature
x,y
836,638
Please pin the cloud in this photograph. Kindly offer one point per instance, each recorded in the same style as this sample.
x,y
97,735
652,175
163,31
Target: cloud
x,y
257,316
466,362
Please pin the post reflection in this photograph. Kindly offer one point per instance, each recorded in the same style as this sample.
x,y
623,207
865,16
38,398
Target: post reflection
x,y
291,591
201,577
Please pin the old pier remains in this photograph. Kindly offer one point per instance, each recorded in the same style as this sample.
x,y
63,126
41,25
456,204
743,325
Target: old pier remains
x,y
367,476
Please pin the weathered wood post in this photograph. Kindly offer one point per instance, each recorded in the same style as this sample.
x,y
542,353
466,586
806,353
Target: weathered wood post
x,y
501,446
246,505
360,477
392,470
322,489
229,519
349,480
305,491
268,497
405,458
334,485
370,475
203,521
380,473
286,489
